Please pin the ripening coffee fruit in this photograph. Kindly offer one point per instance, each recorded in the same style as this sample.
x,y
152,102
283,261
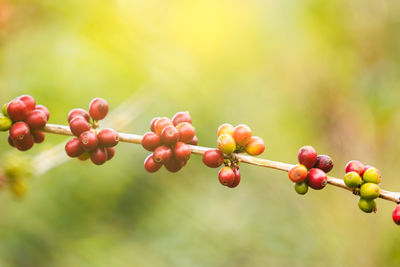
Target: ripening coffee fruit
x,y
162,154
242,135
352,179
226,176
255,146
182,151
236,181
38,136
370,191
160,124
45,110
16,110
24,144
225,128
226,143
78,112
186,131
150,165
173,164
317,179
194,141
372,175
367,205
307,156
151,141
29,102
298,173
301,188
98,108
213,158
5,123
108,138
73,148
170,135
88,141
36,119
180,117
396,215
79,125
19,131
354,166
324,163
98,156
110,152
153,123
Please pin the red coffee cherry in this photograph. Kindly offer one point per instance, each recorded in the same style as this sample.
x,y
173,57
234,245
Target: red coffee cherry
x,y
324,163
79,125
173,164
307,156
150,165
237,178
298,173
98,156
98,108
88,140
225,128
213,158
162,154
153,123
181,117
36,119
354,166
396,215
317,179
73,148
38,136
226,176
242,134
108,138
45,110
29,102
19,131
160,124
24,144
151,141
170,135
255,146
110,152
10,140
186,131
182,151
194,141
78,112
16,110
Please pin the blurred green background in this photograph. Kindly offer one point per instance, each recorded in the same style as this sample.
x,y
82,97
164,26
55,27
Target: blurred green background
x,y
323,73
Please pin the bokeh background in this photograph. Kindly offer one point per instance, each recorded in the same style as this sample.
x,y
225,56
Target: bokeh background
x,y
323,73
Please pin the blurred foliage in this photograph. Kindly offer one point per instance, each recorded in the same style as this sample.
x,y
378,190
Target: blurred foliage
x,y
324,73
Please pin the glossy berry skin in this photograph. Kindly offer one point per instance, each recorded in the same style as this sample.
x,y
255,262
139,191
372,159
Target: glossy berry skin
x,y
38,136
162,154
226,143
79,125
45,110
213,158
352,179
153,123
255,146
88,141
182,151
226,176
10,141
366,205
307,156
25,144
236,181
108,138
29,102
396,215
150,165
242,135
16,110
5,123
98,108
194,141
36,119
170,135
225,128
110,152
160,124
186,131
73,148
354,166
372,175
317,179
98,156
180,117
370,191
19,131
301,188
151,141
78,112
298,173
324,163
173,164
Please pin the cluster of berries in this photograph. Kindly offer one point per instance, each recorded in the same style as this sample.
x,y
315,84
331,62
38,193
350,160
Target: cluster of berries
x,y
311,170
364,180
24,120
169,141
232,140
89,142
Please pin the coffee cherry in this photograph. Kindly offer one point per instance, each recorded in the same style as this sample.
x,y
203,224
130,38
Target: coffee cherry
x,y
186,131
10,140
98,108
354,166
162,154
4,110
181,117
237,178
153,123
170,135
396,215
5,123
255,146
150,165
78,112
182,151
317,179
307,156
298,173
151,141
194,141
242,134
79,125
370,191
173,164
160,124
225,128
29,102
352,179
24,144
98,156
19,131
367,205
38,136
73,148
45,110
36,119
16,110
213,158
372,175
110,152
88,140
324,163
226,176
108,138
301,188
226,143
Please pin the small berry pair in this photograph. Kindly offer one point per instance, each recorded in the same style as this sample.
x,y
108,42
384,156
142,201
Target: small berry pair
x,y
25,121
229,176
89,142
170,141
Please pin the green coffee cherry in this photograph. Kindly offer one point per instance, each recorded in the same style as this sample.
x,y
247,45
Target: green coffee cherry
x,y
301,188
370,191
352,179
19,187
5,123
372,175
366,205
4,110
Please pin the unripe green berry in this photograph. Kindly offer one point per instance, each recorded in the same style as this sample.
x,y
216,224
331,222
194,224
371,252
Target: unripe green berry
x,y
5,123
4,110
352,179
226,143
370,191
301,188
372,175
367,205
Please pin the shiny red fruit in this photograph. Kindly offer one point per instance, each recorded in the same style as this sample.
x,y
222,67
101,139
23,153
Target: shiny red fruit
x,y
170,135
98,156
396,215
354,166
98,108
160,124
36,119
307,156
151,141
317,179
180,117
153,123
88,140
194,141
108,138
298,173
45,110
19,131
213,158
110,152
17,110
173,164
182,151
150,165
79,125
242,134
38,136
29,102
162,154
324,163
25,144
237,178
255,146
78,112
226,176
186,131
73,148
